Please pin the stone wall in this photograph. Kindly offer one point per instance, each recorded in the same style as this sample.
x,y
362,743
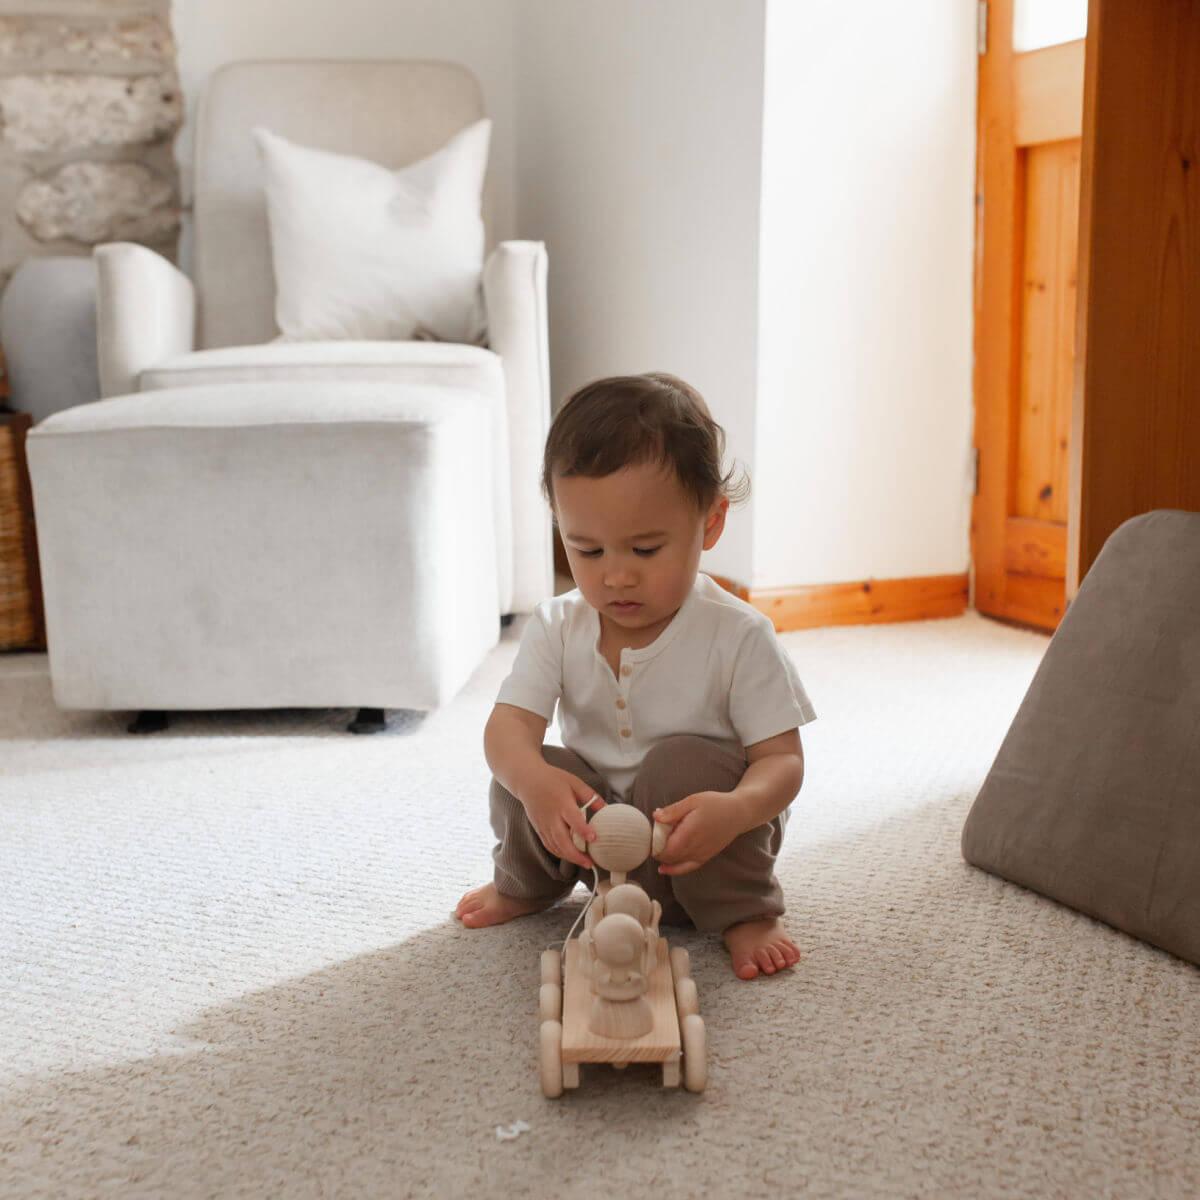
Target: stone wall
x,y
90,104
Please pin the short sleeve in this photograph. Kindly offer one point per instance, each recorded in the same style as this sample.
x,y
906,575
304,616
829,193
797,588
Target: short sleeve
x,y
766,696
535,682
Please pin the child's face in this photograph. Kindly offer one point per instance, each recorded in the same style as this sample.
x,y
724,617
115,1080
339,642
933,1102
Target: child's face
x,y
633,539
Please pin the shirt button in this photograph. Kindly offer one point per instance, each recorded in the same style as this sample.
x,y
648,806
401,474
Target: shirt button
x,y
627,733
620,703
626,670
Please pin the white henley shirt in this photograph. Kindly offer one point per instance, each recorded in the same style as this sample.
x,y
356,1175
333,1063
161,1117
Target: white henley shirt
x,y
716,671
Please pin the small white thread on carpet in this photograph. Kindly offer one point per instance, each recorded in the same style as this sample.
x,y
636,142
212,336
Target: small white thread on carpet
x,y
506,1133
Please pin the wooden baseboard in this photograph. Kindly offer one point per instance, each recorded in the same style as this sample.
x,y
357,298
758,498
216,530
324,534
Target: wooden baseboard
x,y
867,602
870,601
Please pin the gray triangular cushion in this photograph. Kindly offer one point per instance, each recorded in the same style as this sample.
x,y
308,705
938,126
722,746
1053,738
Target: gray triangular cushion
x,y
1094,797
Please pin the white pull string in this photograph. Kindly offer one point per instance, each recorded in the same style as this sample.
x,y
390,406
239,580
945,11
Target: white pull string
x,y
591,899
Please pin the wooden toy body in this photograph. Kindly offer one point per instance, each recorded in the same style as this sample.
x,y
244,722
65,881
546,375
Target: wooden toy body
x,y
620,995
580,1041
676,1038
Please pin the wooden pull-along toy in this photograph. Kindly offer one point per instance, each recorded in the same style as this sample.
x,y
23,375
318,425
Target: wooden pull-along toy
x,y
618,993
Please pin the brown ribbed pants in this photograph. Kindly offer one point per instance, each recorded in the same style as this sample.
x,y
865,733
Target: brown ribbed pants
x,y
736,885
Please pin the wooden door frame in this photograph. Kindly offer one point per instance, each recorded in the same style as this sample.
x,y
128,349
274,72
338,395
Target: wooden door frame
x,y
995,292
1087,175
1000,547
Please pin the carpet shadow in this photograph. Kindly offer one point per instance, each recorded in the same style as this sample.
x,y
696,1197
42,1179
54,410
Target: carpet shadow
x,y
75,725
352,1078
25,690
946,1034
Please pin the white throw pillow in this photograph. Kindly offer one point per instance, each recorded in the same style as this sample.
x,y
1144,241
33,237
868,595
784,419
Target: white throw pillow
x,y
362,252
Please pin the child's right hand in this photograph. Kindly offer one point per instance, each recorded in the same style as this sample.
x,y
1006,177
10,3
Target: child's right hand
x,y
553,803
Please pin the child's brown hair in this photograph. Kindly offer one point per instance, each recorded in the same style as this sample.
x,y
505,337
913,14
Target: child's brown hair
x,y
625,420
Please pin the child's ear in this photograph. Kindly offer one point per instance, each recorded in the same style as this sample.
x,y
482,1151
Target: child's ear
x,y
714,523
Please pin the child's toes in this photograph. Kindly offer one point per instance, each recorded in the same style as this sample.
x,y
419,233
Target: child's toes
x,y
744,968
791,954
762,956
777,957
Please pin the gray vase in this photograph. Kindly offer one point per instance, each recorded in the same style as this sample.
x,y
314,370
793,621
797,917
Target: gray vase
x,y
48,332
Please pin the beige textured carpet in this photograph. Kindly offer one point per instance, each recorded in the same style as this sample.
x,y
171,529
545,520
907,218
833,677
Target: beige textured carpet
x,y
228,970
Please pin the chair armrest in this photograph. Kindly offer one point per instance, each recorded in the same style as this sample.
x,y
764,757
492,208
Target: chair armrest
x,y
514,292
145,312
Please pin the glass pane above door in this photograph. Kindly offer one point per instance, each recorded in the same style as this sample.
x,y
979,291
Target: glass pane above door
x,y
1039,23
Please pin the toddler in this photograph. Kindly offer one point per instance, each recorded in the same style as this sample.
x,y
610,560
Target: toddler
x,y
673,695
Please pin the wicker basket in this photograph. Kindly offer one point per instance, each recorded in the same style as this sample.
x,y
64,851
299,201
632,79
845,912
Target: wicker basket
x,y
22,623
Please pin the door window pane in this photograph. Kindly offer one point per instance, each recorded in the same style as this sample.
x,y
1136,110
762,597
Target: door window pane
x,y
1038,23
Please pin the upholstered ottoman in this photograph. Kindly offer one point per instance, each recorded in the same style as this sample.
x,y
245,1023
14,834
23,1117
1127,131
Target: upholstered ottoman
x,y
271,544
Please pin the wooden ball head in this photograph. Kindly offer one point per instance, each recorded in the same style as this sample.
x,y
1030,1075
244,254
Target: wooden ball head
x,y
631,899
623,838
619,942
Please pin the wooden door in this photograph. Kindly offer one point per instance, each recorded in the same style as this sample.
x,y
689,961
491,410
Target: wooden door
x,y
1027,224
1136,434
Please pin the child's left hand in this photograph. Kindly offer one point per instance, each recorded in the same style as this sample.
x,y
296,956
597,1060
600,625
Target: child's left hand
x,y
705,823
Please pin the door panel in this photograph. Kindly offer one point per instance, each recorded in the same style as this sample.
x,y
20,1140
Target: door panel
x,y
1051,214
1029,122
1048,94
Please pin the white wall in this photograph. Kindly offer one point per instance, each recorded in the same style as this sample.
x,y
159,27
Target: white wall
x,y
478,33
864,388
640,161
771,198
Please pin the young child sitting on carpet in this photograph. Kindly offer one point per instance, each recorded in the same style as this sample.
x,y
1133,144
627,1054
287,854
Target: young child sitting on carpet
x,y
673,695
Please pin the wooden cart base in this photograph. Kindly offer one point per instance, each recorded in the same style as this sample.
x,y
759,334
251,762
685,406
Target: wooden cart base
x,y
676,1039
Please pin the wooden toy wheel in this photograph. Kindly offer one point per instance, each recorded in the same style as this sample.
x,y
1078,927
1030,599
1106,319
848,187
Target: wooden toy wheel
x,y
550,1002
550,1058
687,999
695,1053
670,1072
681,963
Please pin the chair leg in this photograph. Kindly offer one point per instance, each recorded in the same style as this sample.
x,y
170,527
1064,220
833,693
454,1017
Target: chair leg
x,y
149,720
368,720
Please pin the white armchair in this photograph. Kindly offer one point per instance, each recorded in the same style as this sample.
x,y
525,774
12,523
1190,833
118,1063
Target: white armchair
x,y
145,314
206,349
157,329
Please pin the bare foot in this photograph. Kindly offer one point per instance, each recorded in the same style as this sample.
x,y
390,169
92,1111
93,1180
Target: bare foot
x,y
760,946
485,906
